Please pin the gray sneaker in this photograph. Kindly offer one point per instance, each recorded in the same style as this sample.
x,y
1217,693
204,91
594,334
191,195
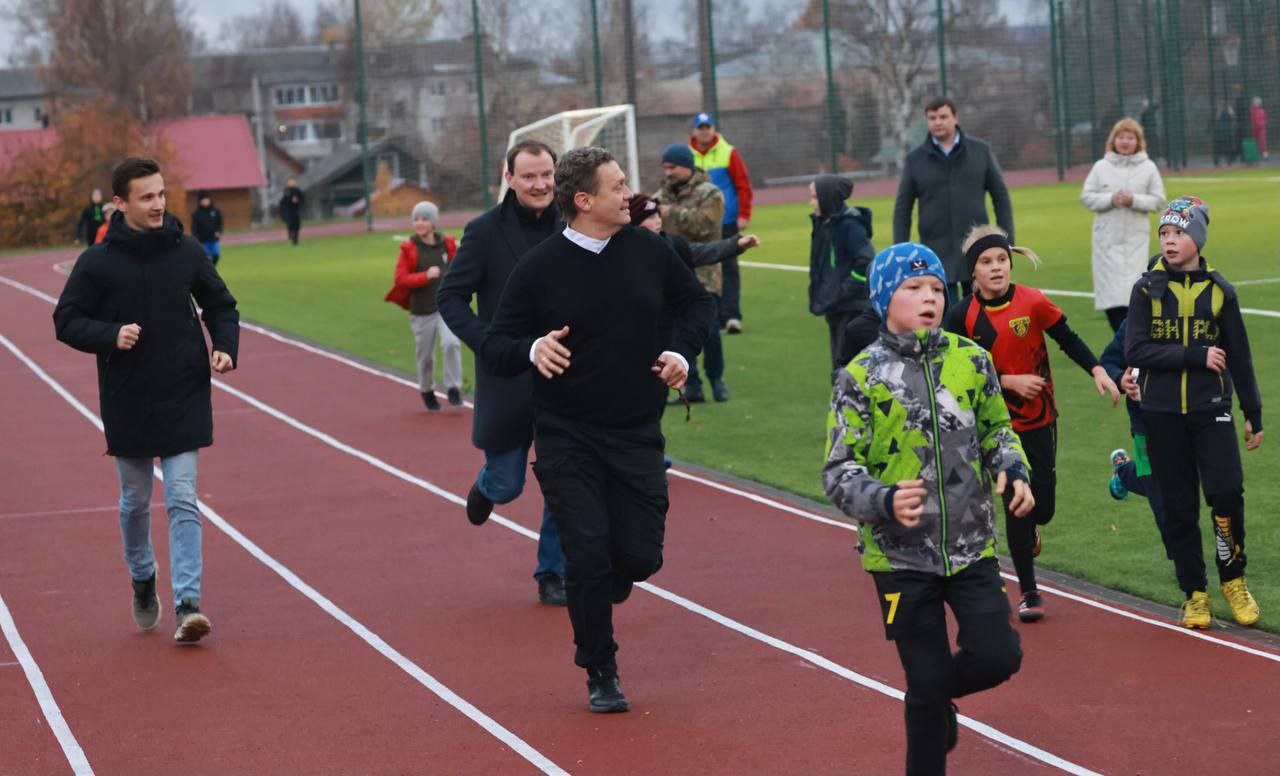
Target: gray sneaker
x,y
146,603
192,625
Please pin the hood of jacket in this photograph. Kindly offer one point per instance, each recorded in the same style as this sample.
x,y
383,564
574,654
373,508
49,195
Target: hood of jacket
x,y
1126,160
832,191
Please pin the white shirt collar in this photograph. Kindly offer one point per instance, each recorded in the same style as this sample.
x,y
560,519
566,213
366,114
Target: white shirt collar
x,y
945,150
589,243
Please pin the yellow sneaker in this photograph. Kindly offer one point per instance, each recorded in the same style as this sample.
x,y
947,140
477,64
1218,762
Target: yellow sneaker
x,y
1195,611
1242,604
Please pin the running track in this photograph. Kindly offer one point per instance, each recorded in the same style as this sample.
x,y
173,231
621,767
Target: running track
x,y
362,626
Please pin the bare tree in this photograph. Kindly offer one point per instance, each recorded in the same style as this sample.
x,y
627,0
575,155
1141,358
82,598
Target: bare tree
x,y
383,22
273,26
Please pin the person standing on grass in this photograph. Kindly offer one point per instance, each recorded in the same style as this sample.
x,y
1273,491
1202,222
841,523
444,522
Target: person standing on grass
x,y
839,252
424,259
586,309
1187,338
691,205
950,174
1123,189
1258,125
206,227
723,163
916,433
1010,322
91,218
132,301
291,204
502,424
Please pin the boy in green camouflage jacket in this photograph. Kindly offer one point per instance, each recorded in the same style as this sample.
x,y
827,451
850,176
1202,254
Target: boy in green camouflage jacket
x,y
918,428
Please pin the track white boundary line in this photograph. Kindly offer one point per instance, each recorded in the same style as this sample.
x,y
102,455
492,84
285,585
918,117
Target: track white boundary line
x,y
817,660
719,486
491,726
44,696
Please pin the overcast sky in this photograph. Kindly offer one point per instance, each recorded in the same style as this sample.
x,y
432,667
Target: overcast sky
x,y
209,16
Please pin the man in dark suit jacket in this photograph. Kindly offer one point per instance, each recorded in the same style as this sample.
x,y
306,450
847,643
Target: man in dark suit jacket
x,y
950,173
502,425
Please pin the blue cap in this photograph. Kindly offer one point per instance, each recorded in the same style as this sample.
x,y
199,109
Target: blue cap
x,y
704,118
895,264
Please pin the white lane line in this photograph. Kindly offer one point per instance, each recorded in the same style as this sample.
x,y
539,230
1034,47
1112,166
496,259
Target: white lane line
x,y
44,696
491,726
737,491
815,659
1049,291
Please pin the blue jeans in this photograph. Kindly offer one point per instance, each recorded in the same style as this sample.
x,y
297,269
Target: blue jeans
x,y
185,561
712,353
501,480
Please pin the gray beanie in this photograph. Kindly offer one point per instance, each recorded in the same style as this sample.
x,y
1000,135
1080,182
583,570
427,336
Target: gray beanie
x,y
1191,215
427,210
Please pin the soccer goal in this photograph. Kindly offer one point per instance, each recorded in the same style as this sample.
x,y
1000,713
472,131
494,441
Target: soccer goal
x,y
612,128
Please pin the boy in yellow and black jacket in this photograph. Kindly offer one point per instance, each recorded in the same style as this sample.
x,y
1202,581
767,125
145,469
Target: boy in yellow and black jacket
x,y
1187,339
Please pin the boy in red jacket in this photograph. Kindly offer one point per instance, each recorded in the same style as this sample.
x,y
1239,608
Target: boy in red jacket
x,y
424,258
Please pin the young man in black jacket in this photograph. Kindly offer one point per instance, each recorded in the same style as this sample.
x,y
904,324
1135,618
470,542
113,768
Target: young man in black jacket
x,y
950,173
839,253
129,301
206,227
585,308
1187,339
291,204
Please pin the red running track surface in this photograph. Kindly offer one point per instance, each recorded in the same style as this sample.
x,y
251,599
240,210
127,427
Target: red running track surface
x,y
284,687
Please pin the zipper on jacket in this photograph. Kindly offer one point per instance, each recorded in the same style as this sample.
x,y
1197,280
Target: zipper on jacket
x,y
937,452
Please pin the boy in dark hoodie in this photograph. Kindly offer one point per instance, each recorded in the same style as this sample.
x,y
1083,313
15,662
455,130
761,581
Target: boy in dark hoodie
x,y
839,253
206,226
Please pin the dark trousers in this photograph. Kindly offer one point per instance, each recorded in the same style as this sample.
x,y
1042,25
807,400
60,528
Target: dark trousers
x,y
712,352
607,490
1041,447
1116,316
1188,452
990,650
294,229
732,290
836,323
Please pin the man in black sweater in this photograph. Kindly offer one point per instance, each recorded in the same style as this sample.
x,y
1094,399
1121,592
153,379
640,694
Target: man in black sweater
x,y
585,308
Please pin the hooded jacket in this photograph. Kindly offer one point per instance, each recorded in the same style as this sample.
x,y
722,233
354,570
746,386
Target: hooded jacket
x,y
1121,235
154,398
206,223
920,405
697,207
1174,318
839,250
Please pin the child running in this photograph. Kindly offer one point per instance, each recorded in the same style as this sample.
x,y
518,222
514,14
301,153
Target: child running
x,y
1010,321
1187,338
916,433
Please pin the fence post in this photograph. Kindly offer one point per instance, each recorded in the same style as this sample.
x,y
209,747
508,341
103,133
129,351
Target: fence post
x,y
595,48
1055,65
484,133
942,49
1066,81
1213,80
1119,56
362,130
1093,95
831,87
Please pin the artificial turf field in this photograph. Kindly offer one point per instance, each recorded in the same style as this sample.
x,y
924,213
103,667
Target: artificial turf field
x,y
329,290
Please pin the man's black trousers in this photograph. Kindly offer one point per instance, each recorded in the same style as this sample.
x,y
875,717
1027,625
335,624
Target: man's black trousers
x,y
607,489
990,650
1188,452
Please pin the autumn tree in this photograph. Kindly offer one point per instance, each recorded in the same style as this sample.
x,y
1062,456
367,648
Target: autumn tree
x,y
274,25
383,22
43,191
132,52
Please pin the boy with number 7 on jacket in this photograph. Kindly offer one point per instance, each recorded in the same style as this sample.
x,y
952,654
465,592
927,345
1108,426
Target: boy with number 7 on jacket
x,y
917,431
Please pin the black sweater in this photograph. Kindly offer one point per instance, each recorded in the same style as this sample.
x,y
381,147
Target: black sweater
x,y
613,304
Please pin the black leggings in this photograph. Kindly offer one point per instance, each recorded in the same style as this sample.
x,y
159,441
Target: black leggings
x,y
1041,447
1116,316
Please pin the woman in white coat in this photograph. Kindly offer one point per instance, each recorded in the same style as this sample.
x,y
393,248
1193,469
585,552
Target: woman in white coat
x,y
1122,189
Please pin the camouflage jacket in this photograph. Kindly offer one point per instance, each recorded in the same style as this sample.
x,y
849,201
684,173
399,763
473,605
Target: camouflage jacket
x,y
697,208
922,405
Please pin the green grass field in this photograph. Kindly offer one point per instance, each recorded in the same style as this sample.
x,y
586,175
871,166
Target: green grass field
x,y
330,291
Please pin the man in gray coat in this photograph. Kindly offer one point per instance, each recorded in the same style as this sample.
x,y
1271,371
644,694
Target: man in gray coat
x,y
950,173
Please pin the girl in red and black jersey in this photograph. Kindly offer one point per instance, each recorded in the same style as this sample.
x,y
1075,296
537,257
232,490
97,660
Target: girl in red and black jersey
x,y
1010,322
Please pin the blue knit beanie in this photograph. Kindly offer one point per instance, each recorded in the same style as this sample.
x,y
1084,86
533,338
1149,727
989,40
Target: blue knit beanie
x,y
679,154
895,264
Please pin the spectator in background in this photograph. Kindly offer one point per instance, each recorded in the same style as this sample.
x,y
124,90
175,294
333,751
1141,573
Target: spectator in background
x,y
107,210
692,207
206,226
1240,104
1224,135
1258,122
91,218
291,204
1150,121
950,173
728,172
839,252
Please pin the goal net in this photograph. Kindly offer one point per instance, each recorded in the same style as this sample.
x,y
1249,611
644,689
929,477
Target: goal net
x,y
612,128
